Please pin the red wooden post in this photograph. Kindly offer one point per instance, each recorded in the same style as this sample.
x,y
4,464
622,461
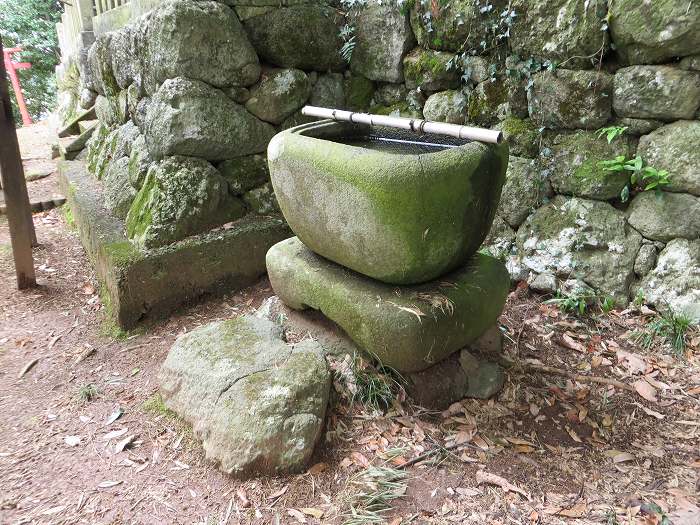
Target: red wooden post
x,y
11,68
14,185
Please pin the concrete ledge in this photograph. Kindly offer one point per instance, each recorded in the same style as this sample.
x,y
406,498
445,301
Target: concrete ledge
x,y
140,285
122,15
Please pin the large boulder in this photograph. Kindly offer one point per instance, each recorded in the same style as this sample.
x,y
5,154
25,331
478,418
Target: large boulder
x,y
118,191
485,102
112,110
522,136
408,328
99,63
181,196
447,106
358,92
302,36
382,37
279,94
663,216
139,162
583,239
244,173
457,25
675,148
257,403
429,70
573,163
201,40
559,30
656,92
328,91
123,54
571,99
647,32
675,281
191,118
523,192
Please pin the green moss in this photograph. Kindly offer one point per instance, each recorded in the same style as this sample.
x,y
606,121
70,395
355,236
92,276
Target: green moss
x,y
402,107
156,405
121,254
67,212
358,92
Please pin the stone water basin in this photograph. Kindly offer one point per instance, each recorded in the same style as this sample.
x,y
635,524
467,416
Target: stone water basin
x,y
399,207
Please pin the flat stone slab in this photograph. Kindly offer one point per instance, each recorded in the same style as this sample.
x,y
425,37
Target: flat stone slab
x,y
408,328
257,403
144,284
470,372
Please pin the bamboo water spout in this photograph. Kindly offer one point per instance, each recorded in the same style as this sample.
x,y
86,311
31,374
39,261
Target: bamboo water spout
x,y
416,125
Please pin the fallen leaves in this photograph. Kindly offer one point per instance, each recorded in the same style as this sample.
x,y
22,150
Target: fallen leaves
x,y
644,389
492,479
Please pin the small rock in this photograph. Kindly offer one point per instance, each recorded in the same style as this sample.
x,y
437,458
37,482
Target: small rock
x,y
544,283
279,95
646,260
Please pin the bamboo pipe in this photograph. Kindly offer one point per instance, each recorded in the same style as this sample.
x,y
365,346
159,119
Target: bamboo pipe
x,y
417,125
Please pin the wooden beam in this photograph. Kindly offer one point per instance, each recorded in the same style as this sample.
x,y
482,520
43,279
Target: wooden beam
x,y
19,215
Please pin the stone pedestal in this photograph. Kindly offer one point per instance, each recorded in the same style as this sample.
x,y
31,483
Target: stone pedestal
x,y
412,329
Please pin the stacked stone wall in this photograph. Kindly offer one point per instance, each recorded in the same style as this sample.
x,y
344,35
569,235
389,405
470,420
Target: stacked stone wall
x,y
189,95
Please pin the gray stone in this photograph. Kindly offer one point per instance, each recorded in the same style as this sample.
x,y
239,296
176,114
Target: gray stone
x,y
653,32
446,106
485,103
408,328
376,212
459,376
200,40
101,78
656,92
262,200
524,191
582,239
382,37
328,91
559,30
574,165
139,162
571,99
126,64
455,26
358,93
674,284
429,70
675,148
280,93
257,404
87,98
126,136
477,68
300,36
244,173
112,111
239,95
188,117
388,94
500,239
664,216
181,196
118,191
646,260
544,283
522,136
691,63
638,126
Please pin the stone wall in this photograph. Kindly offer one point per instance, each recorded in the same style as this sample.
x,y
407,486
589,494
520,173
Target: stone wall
x,y
189,95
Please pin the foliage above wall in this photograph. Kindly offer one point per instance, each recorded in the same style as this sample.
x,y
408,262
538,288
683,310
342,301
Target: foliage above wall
x,y
31,24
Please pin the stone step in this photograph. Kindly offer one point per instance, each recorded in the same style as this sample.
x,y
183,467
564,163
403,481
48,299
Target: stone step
x,y
39,205
87,124
73,127
72,145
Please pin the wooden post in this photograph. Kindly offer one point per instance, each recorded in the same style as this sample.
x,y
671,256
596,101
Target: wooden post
x,y
15,187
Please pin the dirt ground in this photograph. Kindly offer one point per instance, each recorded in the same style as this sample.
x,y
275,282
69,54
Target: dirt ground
x,y
547,449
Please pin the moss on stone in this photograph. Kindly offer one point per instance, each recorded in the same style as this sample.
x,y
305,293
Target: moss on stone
x,y
358,92
121,254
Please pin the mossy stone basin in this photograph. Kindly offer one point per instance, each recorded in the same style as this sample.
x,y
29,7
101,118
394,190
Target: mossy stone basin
x,y
400,208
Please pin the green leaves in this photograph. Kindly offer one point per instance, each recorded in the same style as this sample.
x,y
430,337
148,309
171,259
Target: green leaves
x,y
611,132
646,177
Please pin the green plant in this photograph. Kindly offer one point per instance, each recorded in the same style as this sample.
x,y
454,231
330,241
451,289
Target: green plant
x,y
670,327
348,37
646,177
377,388
87,393
574,302
607,304
611,132
639,298
377,488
